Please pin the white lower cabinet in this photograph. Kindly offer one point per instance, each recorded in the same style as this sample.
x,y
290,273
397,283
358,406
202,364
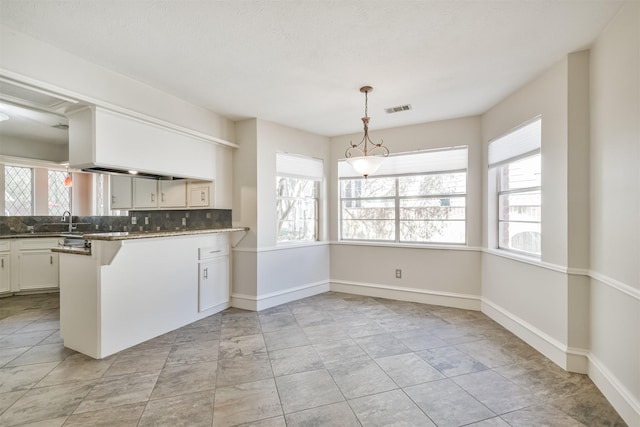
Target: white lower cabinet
x,y
213,286
38,270
213,274
5,272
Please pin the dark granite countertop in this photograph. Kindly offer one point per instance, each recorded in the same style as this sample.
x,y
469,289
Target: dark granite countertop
x,y
39,235
123,235
76,250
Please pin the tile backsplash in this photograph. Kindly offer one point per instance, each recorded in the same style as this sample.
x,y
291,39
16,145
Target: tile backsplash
x,y
136,221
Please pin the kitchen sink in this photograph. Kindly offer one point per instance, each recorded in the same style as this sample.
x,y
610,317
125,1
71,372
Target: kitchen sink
x,y
75,241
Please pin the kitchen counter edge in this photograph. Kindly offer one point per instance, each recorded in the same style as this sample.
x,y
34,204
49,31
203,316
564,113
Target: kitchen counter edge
x,y
155,234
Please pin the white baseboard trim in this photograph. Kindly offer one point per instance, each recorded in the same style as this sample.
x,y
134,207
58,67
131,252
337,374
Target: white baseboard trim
x,y
468,302
574,360
261,302
623,400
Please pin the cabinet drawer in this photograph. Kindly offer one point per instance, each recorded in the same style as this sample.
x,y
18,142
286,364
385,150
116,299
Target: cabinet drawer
x,y
5,245
35,244
219,247
212,252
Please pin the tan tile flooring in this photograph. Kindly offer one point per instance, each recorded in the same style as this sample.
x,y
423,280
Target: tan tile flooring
x,y
329,360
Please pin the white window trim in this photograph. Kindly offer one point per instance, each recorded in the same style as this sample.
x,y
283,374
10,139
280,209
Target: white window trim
x,y
494,192
396,197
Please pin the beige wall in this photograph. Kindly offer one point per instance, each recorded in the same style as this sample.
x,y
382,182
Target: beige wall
x,y
615,212
448,275
264,272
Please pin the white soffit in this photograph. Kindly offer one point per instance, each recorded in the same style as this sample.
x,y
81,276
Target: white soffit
x,y
301,63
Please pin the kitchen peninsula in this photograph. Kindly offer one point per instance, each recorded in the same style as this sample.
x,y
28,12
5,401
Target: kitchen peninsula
x,y
131,287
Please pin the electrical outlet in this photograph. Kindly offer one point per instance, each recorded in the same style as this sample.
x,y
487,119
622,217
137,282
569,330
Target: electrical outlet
x,y
134,220
146,220
398,273
184,221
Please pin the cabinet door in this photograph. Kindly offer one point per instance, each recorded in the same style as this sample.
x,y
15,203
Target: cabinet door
x,y
145,193
38,270
121,194
173,194
200,195
5,285
213,283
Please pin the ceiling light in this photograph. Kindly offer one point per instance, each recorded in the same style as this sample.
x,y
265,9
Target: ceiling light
x,y
3,117
68,181
133,172
366,156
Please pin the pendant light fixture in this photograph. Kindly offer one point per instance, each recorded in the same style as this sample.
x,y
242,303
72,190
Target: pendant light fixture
x,y
366,157
68,182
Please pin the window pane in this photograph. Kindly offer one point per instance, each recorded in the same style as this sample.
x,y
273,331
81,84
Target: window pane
x,y
423,185
18,191
296,219
522,173
432,231
59,195
520,236
523,206
368,230
295,187
368,219
371,187
297,209
433,208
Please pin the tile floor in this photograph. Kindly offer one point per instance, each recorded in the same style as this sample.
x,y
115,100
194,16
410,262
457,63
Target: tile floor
x,y
329,360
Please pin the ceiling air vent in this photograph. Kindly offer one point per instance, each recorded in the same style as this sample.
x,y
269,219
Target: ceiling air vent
x,y
398,109
61,126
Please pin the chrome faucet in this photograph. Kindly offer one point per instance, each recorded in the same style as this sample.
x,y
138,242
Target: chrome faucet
x,y
67,216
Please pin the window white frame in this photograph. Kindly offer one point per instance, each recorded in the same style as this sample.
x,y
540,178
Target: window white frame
x,y
441,163
298,181
517,206
40,181
31,194
56,178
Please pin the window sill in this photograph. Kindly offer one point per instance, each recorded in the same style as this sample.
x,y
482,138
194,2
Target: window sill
x,y
451,247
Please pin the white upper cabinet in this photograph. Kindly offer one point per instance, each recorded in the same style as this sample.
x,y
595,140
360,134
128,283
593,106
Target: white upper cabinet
x,y
145,193
173,194
121,192
200,194
142,193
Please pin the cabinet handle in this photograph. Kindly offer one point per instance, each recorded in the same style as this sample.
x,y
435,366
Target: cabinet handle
x,y
202,195
51,259
2,262
206,273
162,197
153,197
113,199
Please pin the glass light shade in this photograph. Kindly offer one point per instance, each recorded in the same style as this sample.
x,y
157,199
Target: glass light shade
x,y
366,165
67,181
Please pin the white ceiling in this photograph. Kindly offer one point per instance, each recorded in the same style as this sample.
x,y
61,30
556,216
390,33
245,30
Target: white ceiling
x,y
301,63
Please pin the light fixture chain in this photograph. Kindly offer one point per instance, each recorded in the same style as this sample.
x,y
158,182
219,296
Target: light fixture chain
x,y
366,104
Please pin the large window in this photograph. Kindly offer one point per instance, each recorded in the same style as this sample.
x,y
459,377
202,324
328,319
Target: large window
x,y
18,191
516,160
414,198
59,195
297,201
